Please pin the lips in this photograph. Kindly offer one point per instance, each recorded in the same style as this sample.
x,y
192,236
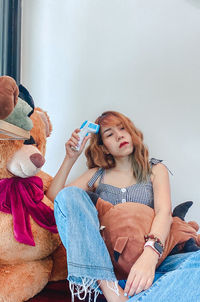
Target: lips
x,y
123,144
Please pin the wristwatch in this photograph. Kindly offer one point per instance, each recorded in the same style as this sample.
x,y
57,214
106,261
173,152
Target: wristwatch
x,y
156,246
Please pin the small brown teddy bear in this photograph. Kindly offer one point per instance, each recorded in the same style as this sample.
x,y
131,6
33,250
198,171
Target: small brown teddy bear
x,y
31,253
124,227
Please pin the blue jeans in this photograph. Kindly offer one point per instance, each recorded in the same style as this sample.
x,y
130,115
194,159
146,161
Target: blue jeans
x,y
88,259
176,279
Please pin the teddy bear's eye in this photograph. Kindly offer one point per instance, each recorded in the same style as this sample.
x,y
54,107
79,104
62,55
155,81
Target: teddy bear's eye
x,y
30,141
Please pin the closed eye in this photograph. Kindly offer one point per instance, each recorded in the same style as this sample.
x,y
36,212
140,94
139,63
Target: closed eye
x,y
109,134
121,126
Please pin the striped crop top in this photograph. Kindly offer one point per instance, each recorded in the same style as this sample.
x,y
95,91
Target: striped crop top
x,y
139,192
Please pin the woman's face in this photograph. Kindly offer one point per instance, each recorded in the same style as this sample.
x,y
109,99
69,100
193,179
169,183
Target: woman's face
x,y
116,140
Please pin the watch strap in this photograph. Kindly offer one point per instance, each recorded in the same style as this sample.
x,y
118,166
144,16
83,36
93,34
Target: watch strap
x,y
156,246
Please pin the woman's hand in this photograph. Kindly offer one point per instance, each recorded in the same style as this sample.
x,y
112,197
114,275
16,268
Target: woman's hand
x,y
142,273
71,156
72,143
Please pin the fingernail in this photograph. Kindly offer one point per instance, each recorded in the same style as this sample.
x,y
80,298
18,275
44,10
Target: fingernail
x,y
125,294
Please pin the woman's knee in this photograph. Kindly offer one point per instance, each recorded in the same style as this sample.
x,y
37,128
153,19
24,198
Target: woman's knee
x,y
68,197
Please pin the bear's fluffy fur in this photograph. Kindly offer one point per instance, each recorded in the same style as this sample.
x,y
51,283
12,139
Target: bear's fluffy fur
x,y
25,269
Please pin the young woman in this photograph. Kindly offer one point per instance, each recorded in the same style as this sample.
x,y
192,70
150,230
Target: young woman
x,y
119,171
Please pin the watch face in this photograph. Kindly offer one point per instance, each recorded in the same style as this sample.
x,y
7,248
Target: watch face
x,y
158,247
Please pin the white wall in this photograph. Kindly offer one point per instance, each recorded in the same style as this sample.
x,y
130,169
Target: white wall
x,y
140,57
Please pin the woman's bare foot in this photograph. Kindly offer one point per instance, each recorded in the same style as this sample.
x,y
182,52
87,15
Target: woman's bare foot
x,y
110,289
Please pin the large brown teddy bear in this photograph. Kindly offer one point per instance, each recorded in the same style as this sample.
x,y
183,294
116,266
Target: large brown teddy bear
x,y
31,253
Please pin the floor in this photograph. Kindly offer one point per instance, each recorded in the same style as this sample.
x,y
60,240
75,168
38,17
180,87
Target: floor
x,y
57,291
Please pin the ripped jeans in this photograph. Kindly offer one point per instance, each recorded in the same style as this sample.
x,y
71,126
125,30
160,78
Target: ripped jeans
x,y
88,259
176,279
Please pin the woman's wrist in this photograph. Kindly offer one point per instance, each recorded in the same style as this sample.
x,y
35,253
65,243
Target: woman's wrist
x,y
69,161
155,243
151,255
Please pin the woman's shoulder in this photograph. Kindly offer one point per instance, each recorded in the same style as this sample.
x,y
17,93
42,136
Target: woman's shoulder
x,y
158,168
94,174
82,180
89,173
159,164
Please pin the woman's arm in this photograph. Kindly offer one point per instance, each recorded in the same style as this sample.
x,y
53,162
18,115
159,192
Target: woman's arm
x,y
61,176
162,203
143,271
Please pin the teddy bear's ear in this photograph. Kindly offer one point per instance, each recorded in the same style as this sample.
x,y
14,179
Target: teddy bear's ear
x,y
45,118
25,96
8,96
103,207
181,209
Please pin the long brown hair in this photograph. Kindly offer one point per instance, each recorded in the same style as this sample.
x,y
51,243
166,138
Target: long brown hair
x,y
96,157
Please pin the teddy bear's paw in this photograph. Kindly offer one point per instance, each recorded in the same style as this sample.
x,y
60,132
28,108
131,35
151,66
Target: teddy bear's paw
x,y
194,224
21,282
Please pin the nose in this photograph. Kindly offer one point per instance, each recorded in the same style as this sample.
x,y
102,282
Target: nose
x,y
37,159
119,135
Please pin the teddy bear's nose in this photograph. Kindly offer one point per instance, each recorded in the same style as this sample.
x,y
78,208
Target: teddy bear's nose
x,y
37,159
